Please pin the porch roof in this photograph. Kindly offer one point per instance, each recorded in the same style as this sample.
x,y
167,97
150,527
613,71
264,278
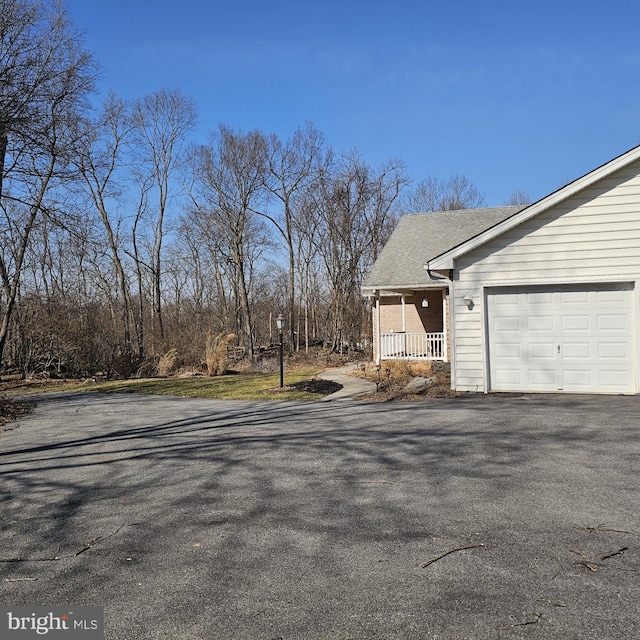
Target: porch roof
x,y
420,237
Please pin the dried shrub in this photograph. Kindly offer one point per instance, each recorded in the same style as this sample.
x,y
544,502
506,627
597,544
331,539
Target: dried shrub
x,y
10,410
393,376
148,368
396,372
124,364
216,357
422,367
167,363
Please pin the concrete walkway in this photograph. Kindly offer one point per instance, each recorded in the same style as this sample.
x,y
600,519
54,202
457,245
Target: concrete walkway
x,y
352,387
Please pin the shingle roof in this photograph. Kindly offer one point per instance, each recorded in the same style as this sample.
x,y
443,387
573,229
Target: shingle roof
x,y
420,237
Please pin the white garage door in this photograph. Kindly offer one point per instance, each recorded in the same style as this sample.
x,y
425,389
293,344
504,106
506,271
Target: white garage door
x,y
576,339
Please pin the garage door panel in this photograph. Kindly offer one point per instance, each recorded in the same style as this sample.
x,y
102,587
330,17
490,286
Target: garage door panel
x,y
574,297
576,380
568,338
508,323
508,377
614,351
575,323
611,296
537,297
612,322
506,299
537,351
614,379
540,323
508,350
580,350
540,379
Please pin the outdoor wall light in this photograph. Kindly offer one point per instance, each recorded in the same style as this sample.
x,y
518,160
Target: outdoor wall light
x,y
468,300
425,303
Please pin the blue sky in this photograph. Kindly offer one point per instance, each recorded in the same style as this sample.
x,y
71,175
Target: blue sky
x,y
512,95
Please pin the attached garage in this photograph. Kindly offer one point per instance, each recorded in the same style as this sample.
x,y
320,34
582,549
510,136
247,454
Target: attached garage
x,y
548,299
572,338
543,298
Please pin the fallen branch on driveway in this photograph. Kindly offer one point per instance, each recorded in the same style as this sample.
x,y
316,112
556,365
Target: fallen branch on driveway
x,y
585,561
614,553
85,547
592,565
52,559
29,579
601,527
446,553
521,624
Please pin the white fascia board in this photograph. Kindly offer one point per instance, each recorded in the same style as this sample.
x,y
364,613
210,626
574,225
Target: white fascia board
x,y
442,263
447,259
395,290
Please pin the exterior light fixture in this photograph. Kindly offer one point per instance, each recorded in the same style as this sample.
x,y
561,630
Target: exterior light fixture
x,y
468,300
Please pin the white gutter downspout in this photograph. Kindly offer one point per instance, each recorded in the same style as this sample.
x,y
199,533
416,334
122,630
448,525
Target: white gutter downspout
x,y
450,325
452,331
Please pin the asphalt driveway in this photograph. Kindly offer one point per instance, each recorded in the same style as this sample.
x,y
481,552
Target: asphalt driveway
x,y
189,519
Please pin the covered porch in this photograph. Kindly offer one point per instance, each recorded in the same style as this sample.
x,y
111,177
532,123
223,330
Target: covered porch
x,y
411,325
413,346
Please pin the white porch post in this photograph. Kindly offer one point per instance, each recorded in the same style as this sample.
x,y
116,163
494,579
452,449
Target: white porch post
x,y
377,336
404,319
445,322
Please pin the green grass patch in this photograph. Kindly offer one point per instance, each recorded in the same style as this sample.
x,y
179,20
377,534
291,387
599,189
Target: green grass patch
x,y
228,387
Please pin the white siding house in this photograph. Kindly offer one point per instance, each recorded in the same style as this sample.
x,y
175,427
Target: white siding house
x,y
545,298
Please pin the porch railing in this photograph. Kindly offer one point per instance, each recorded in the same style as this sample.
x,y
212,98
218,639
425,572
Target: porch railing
x,y
412,346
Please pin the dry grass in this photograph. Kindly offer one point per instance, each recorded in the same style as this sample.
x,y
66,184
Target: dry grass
x,y
215,356
10,410
395,372
167,363
393,376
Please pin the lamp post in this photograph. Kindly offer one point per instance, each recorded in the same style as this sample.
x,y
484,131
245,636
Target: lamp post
x,y
280,322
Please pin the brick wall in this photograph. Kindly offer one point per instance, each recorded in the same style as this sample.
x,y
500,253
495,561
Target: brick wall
x,y
418,319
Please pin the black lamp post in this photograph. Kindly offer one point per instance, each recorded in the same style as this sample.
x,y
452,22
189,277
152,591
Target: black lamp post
x,y
280,323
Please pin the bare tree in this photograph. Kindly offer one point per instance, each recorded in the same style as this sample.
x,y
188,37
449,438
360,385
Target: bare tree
x,y
45,77
518,198
355,209
292,167
228,189
98,157
204,249
455,193
306,242
227,192
162,121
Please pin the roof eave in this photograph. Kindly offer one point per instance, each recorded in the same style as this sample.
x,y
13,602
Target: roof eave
x,y
396,289
441,263
447,259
